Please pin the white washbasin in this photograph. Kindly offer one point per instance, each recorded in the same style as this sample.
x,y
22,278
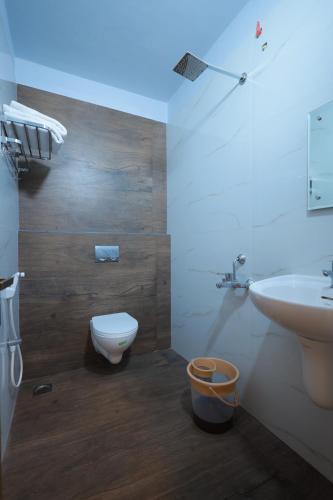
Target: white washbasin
x,y
297,302
303,304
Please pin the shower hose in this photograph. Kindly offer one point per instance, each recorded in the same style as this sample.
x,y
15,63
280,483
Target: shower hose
x,y
14,346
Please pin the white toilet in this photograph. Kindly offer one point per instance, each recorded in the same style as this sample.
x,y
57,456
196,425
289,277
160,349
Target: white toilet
x,y
112,334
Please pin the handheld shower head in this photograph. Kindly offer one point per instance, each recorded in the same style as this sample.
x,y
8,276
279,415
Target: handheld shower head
x,y
191,67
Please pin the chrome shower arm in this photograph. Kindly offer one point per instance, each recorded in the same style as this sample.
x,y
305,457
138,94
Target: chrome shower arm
x,y
241,78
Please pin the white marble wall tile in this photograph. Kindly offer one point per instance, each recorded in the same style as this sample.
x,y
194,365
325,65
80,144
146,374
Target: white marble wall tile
x,y
237,182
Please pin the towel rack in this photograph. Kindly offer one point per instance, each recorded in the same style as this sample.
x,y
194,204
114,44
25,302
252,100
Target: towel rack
x,y
26,140
10,146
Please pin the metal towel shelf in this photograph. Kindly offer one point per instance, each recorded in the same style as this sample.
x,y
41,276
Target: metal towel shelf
x,y
24,140
29,136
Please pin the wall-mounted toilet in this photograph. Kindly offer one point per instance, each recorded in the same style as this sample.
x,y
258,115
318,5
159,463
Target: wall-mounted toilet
x,y
112,334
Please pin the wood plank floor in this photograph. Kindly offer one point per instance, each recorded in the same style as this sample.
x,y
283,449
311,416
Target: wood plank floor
x,y
126,433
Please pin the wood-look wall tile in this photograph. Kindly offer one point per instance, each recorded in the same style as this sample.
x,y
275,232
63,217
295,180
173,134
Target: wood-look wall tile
x,y
67,255
159,179
64,287
106,186
163,298
109,175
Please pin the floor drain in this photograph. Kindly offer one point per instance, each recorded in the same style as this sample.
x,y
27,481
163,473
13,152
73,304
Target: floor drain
x,y
41,389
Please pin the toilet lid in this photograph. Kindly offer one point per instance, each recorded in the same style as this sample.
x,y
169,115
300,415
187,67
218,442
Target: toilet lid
x,y
114,324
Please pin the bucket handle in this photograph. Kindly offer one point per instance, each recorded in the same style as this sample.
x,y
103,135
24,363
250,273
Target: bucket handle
x,y
233,404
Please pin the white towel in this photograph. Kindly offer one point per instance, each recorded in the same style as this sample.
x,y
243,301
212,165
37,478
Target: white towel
x,y
25,109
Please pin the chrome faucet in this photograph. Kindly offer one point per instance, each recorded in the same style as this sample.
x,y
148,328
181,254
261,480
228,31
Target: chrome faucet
x,y
240,259
230,279
329,274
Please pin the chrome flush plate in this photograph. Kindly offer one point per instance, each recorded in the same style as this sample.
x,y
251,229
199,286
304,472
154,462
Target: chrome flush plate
x,y
107,253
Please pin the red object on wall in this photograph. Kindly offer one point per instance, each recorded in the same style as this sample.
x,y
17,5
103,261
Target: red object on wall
x,y
258,29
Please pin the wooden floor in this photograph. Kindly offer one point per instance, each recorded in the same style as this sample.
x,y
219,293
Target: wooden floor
x,y
126,433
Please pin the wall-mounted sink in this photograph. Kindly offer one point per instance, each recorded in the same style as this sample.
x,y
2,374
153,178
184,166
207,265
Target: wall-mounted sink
x,y
304,304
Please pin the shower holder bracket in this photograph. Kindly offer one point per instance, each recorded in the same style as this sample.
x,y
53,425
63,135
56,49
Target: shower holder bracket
x,y
243,79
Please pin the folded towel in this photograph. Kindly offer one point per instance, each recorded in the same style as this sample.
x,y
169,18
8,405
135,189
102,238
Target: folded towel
x,y
14,114
25,109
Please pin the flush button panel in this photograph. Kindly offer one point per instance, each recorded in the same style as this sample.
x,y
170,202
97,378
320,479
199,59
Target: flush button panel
x,y
107,253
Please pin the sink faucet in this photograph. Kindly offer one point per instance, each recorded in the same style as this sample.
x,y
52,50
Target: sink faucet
x,y
329,274
240,259
230,279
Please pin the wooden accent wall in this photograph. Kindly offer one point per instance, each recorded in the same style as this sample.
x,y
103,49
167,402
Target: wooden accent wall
x,y
107,185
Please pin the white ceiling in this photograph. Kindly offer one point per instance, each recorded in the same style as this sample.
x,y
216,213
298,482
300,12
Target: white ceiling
x,y
130,44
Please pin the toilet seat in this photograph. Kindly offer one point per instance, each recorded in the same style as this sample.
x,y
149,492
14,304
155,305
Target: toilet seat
x,y
114,325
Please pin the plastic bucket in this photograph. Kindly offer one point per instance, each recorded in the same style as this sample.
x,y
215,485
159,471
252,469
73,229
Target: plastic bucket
x,y
214,393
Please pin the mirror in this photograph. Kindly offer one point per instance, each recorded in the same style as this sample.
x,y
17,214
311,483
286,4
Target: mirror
x,y
320,157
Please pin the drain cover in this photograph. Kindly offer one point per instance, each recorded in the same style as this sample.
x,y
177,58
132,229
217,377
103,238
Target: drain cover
x,y
41,389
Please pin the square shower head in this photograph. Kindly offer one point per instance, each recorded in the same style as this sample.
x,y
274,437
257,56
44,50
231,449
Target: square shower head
x,y
190,67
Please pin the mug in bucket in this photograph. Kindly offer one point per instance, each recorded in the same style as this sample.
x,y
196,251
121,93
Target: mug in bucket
x,y
214,394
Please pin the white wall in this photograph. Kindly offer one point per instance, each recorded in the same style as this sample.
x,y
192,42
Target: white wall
x,y
237,182
52,80
8,231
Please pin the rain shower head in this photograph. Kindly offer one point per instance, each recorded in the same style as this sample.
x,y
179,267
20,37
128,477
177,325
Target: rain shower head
x,y
191,67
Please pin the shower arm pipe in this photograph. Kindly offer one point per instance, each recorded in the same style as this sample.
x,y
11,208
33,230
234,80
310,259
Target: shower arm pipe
x,y
240,77
225,72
